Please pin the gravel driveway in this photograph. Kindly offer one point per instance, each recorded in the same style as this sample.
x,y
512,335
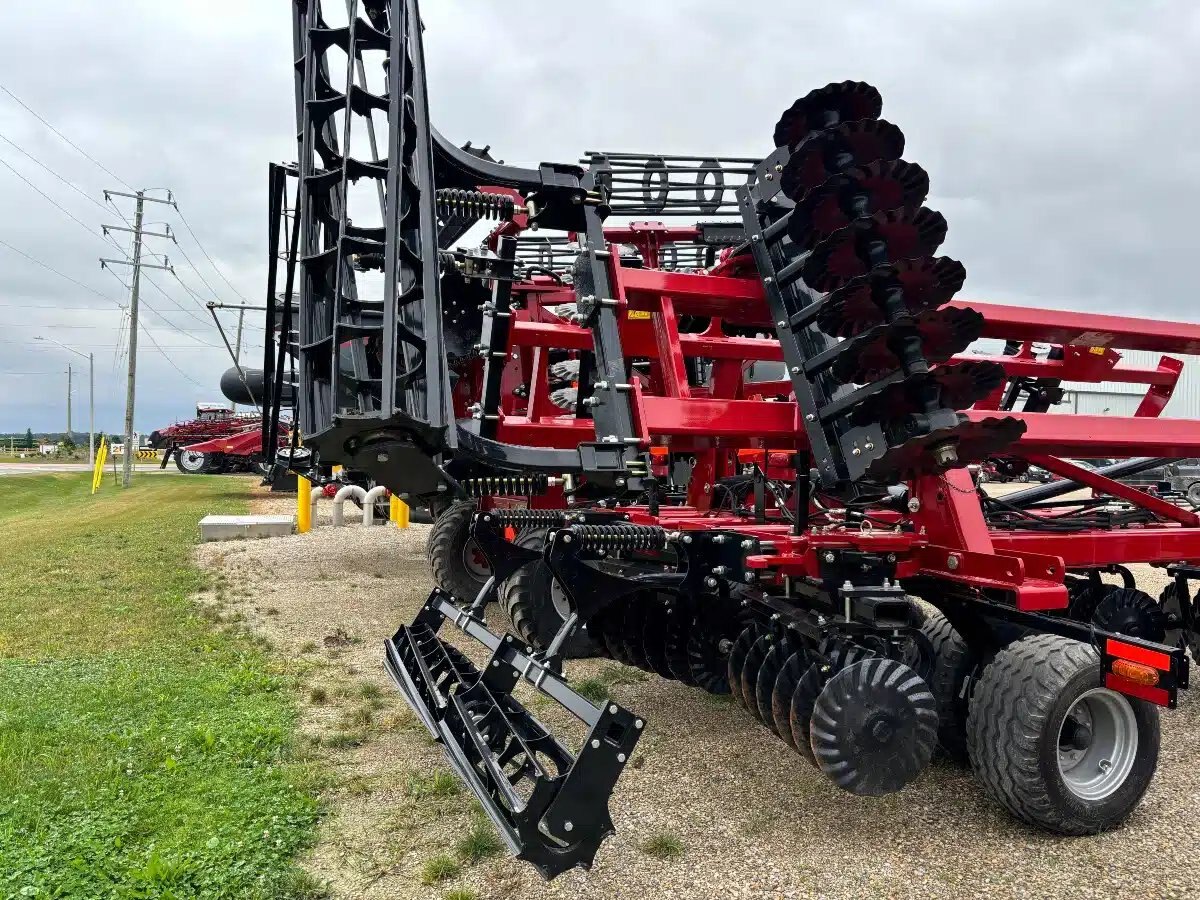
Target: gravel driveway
x,y
754,819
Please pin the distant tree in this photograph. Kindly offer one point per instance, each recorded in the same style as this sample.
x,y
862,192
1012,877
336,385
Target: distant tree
x,y
29,444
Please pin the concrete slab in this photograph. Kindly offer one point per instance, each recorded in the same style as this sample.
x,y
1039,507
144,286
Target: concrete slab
x,y
232,528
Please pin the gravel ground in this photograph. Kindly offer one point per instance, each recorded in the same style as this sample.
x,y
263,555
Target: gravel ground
x,y
754,819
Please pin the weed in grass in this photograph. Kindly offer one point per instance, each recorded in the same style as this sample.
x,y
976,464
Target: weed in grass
x,y
616,675
343,740
359,717
308,647
357,786
318,696
424,787
439,868
272,611
478,843
300,885
369,690
593,689
663,846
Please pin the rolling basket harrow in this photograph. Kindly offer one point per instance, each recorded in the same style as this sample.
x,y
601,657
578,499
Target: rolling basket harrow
x,y
730,452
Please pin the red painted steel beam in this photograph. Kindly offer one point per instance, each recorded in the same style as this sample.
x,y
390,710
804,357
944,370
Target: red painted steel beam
x,y
1087,549
1057,326
1103,485
1093,437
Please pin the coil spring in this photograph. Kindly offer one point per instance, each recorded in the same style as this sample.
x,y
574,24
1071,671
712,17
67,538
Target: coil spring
x,y
620,537
455,203
491,485
529,518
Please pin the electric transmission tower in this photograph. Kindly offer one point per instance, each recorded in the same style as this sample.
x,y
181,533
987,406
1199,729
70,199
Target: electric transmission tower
x,y
135,261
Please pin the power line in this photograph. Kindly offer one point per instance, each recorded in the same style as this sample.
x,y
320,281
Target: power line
x,y
56,272
161,353
69,184
188,226
62,209
66,139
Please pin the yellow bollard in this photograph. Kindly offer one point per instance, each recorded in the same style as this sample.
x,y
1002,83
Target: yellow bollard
x,y
303,505
98,471
398,512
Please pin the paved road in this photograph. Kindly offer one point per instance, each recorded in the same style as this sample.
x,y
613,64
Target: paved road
x,y
18,468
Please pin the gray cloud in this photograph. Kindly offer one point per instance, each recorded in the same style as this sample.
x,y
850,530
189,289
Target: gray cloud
x,y
1060,139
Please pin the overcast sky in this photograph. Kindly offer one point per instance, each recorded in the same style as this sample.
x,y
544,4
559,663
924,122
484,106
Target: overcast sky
x,y
1061,139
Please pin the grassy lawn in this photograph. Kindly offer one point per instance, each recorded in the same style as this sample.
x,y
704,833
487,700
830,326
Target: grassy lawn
x,y
143,752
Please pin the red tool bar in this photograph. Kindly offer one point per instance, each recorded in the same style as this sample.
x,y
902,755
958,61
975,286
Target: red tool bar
x,y
737,299
637,339
1088,549
1057,326
1094,437
1166,375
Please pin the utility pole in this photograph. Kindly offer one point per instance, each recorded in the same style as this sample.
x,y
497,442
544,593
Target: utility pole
x,y
237,349
135,287
91,358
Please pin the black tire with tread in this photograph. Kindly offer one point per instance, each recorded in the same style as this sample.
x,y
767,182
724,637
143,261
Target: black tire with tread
x,y
445,547
526,598
953,662
1017,709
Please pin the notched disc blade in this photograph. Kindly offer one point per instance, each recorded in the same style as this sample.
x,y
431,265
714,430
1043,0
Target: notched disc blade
x,y
768,674
908,285
835,150
737,659
654,634
958,386
942,332
754,660
874,727
879,239
859,191
972,442
844,101
781,694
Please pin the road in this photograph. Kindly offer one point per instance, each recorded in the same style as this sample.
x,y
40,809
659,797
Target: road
x,y
21,468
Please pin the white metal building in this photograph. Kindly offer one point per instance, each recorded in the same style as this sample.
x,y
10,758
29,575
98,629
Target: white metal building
x,y
1110,398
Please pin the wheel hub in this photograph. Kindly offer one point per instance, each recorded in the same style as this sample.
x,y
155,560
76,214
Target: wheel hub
x,y
1097,744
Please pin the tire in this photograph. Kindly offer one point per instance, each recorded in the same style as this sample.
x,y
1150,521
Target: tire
x,y
953,663
190,463
529,599
1193,494
1019,721
455,563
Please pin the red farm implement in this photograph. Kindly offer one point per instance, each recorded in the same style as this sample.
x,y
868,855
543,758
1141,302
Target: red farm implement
x,y
731,451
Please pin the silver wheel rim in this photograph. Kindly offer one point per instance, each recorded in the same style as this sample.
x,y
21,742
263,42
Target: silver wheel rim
x,y
475,562
1097,744
191,461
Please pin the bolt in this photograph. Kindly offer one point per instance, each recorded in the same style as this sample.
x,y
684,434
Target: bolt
x,y
914,505
719,570
829,557
382,457
795,370
442,489
613,709
856,452
769,280
621,482
710,582
718,539
891,557
687,538
810,418
620,757
595,743
639,724
748,577
945,455
952,562
782,323
568,825
566,539
747,544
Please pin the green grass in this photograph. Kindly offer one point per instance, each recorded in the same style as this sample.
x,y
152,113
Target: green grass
x,y
593,689
663,846
439,868
478,843
142,752
440,784
460,894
